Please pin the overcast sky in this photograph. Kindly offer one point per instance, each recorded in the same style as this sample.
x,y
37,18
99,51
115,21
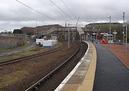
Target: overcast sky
x,y
15,15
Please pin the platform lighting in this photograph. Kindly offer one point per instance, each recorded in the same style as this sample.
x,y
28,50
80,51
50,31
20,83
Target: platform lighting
x,y
125,33
110,25
125,29
68,35
123,26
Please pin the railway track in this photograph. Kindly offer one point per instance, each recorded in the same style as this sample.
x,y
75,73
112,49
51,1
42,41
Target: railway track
x,y
29,57
51,80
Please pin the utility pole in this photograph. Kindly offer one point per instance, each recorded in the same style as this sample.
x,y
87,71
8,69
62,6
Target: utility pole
x,y
77,21
125,33
110,24
68,37
77,26
123,27
110,28
36,30
126,30
65,33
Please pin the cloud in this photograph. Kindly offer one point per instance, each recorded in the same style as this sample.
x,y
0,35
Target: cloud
x,y
15,15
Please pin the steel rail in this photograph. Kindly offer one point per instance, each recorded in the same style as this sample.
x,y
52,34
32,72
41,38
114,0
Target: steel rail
x,y
35,85
28,57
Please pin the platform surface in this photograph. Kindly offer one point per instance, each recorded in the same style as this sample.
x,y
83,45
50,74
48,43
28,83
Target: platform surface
x,y
82,76
111,74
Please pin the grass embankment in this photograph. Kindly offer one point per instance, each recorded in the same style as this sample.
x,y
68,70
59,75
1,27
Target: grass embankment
x,y
18,72
28,52
11,49
4,79
20,54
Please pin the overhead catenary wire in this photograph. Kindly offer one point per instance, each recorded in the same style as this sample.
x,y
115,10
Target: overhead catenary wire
x,y
77,21
36,11
68,8
61,10
70,12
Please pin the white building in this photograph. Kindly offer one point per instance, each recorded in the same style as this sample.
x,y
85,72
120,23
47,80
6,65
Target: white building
x,y
46,43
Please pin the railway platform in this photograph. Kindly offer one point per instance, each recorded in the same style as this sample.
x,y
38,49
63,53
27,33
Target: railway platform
x,y
81,78
111,73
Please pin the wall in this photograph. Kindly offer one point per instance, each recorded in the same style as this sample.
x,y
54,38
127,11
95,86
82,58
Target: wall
x,y
11,41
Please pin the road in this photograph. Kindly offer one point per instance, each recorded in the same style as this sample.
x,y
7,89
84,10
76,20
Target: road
x,y
111,74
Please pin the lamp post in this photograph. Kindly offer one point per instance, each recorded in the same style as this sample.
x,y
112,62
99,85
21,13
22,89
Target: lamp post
x,y
125,29
123,26
68,35
125,33
115,33
110,26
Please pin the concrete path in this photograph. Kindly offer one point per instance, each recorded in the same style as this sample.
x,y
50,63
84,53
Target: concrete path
x,y
111,74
